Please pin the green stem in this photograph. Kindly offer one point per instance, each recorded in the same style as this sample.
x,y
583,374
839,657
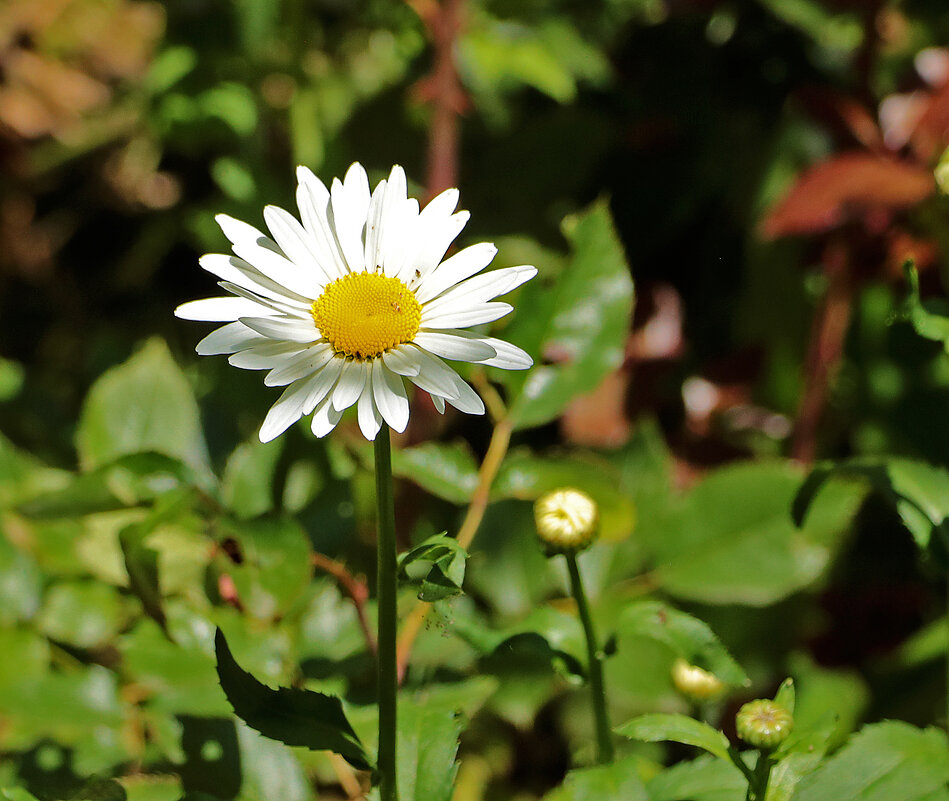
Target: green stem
x,y
604,738
386,592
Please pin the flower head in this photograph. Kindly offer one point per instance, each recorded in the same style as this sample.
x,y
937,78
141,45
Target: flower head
x,y
567,520
695,683
763,723
342,306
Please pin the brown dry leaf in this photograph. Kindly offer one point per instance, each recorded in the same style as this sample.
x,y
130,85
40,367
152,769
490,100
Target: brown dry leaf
x,y
598,419
845,187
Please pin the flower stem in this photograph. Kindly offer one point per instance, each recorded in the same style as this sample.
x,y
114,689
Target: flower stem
x,y
386,595
604,738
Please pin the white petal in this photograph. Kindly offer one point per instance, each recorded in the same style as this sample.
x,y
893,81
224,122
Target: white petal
x,y
302,248
439,403
262,252
287,410
324,418
278,307
463,318
467,399
372,257
244,274
313,201
299,365
510,357
265,356
401,361
434,238
464,264
285,328
435,377
349,203
369,419
229,338
351,383
388,391
460,346
219,310
481,288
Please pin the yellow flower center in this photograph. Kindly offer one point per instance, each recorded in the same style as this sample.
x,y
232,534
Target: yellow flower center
x,y
364,314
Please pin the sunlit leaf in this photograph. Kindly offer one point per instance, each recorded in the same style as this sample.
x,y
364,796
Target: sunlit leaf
x,y
442,561
579,325
677,728
619,781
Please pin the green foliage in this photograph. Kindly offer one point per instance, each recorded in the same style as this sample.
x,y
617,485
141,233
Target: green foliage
x,y
678,728
295,717
579,321
617,782
442,561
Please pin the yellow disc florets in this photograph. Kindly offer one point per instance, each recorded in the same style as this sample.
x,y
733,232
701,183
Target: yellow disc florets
x,y
364,314
567,520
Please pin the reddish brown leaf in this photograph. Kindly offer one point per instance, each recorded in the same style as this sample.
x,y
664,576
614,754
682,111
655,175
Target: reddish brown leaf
x,y
844,188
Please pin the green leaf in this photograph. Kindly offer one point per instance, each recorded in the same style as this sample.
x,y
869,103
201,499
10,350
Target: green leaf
x,y
447,471
445,561
85,614
688,637
18,794
582,322
128,481
731,538
247,483
786,775
616,782
702,779
677,728
144,404
294,717
275,563
430,723
23,476
889,761
919,491
785,695
930,318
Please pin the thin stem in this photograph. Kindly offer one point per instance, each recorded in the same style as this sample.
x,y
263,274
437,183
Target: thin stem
x,y
604,738
386,594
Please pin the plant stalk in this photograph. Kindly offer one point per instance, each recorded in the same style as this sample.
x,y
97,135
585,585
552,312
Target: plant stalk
x,y
386,595
604,738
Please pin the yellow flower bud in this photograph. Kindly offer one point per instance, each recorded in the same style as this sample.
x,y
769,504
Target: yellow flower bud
x,y
763,724
695,683
567,520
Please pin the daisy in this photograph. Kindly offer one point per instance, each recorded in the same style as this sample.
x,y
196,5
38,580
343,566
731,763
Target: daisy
x,y
343,307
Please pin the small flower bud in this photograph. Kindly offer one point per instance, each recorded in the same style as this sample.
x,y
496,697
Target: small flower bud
x,y
695,683
763,724
567,520
941,173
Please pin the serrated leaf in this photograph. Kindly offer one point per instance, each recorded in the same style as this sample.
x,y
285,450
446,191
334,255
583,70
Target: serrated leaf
x,y
890,761
144,404
429,727
446,571
689,637
585,321
918,491
676,728
294,717
618,781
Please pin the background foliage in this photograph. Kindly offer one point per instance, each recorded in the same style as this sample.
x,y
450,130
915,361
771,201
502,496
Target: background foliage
x,y
762,169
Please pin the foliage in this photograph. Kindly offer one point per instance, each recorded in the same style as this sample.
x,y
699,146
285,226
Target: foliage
x,y
763,170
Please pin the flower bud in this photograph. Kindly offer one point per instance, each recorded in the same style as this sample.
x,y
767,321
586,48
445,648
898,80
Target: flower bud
x,y
567,520
941,173
695,683
763,724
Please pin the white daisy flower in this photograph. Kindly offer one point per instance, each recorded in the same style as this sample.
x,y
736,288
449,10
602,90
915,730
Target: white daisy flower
x,y
339,309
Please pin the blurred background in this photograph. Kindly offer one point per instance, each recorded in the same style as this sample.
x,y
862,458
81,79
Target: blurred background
x,y
769,166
